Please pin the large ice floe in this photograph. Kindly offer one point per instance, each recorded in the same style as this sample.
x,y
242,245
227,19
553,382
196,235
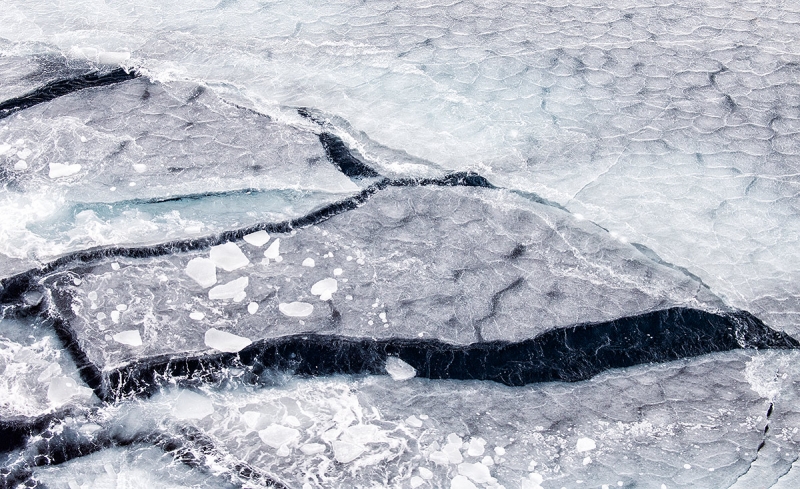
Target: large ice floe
x,y
408,245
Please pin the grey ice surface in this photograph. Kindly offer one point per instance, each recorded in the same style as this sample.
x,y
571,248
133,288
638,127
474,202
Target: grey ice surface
x,y
99,167
456,264
690,423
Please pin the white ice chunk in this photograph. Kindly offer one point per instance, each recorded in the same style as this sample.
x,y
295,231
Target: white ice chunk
x,y
113,57
585,444
197,315
24,153
21,165
337,271
325,288
139,168
258,238
129,337
296,309
191,405
4,148
229,290
62,389
48,373
425,473
58,170
312,448
476,472
476,447
413,421
252,308
416,481
308,262
228,256
399,370
346,452
203,271
224,341
277,436
274,250
461,482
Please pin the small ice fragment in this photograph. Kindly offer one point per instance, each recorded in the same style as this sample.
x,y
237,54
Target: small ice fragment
x,y
461,482
416,481
308,262
229,290
129,337
197,315
113,57
425,473
100,316
476,447
139,168
296,309
276,435
228,256
476,472
337,271
360,261
203,271
399,370
4,148
191,405
283,451
252,308
413,421
77,281
251,418
487,461
382,316
348,297
274,250
312,448
58,170
687,466
92,295
24,153
20,142
439,457
115,316
122,307
258,238
21,165
587,460
193,229
240,296
345,452
224,341
51,371
349,258
115,266
62,389
83,139
585,444
325,288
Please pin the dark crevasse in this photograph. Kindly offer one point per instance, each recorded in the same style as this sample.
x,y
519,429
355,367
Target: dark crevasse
x,y
568,354
59,88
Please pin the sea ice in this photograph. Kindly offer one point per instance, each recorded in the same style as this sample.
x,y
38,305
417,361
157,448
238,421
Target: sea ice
x,y
258,238
203,271
399,370
461,482
224,341
276,435
296,309
273,251
58,170
325,288
308,262
252,308
585,445
191,405
476,472
346,452
228,256
63,389
230,290
129,337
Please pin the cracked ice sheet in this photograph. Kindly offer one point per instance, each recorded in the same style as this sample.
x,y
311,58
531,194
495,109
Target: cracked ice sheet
x,y
568,100
446,263
37,376
690,423
98,167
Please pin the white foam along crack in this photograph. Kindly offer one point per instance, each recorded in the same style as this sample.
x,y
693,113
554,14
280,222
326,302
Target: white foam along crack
x,y
325,288
231,290
226,342
228,256
258,238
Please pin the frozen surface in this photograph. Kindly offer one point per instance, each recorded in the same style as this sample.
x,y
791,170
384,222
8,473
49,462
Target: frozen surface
x,y
690,423
455,264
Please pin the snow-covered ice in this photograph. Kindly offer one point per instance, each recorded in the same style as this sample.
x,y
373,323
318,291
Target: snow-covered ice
x,y
224,341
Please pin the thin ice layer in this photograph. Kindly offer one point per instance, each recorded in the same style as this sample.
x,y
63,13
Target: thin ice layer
x,y
139,162
691,423
455,264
